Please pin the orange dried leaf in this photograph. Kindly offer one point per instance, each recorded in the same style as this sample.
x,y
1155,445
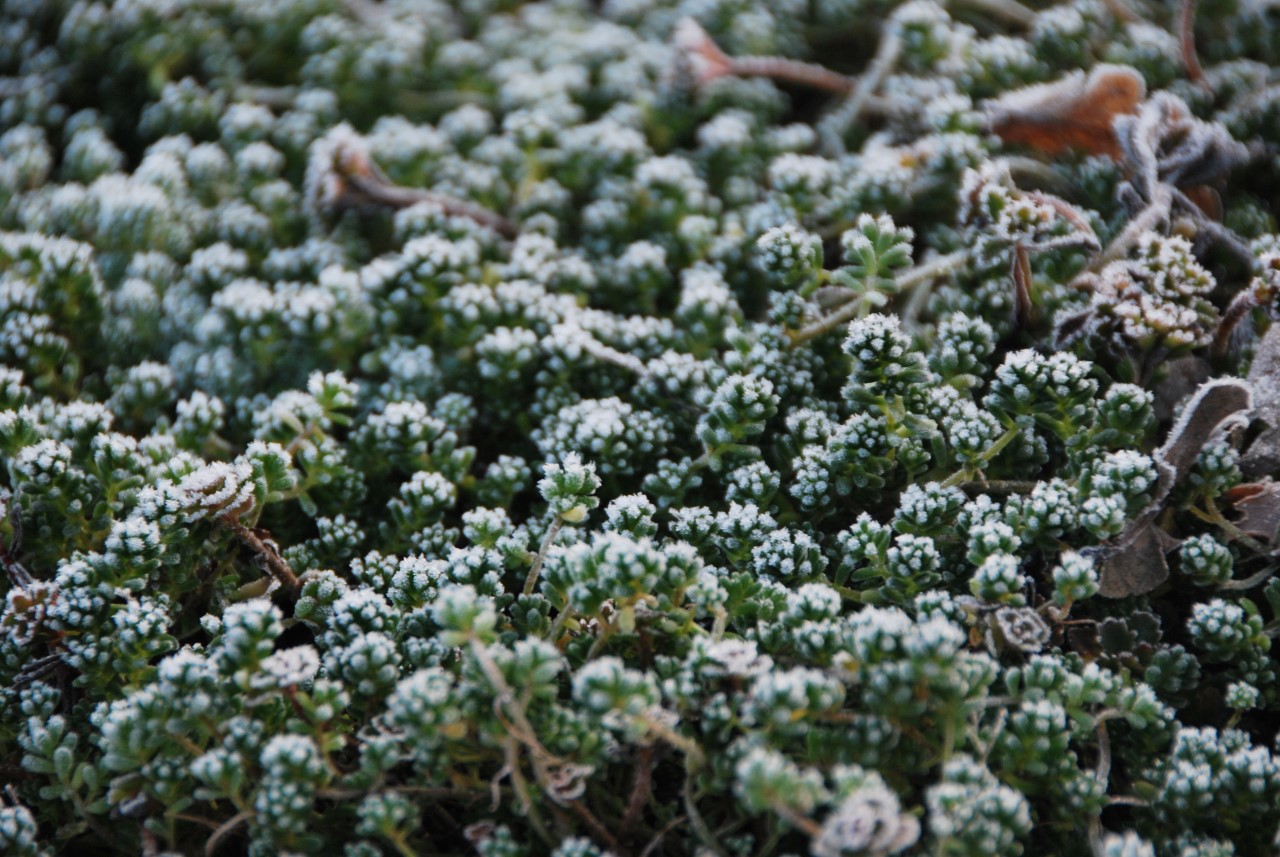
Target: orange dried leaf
x,y
1073,113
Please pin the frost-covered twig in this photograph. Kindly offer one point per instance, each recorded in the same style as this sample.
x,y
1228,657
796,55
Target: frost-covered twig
x,y
709,62
341,175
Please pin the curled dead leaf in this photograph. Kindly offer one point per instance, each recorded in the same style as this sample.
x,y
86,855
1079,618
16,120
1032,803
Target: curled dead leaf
x,y
1076,112
1262,457
1259,506
1135,564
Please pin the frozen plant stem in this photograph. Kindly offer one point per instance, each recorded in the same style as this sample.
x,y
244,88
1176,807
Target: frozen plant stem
x,y
531,582
709,62
796,820
696,821
793,71
906,281
613,356
848,114
1103,775
355,181
387,195
275,564
523,733
228,827
1187,39
964,475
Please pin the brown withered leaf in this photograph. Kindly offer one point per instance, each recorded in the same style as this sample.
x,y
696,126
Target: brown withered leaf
x,y
1259,506
1075,112
1135,564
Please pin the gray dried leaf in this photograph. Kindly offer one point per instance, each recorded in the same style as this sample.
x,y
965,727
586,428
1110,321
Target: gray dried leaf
x,y
1135,564
1259,507
1262,458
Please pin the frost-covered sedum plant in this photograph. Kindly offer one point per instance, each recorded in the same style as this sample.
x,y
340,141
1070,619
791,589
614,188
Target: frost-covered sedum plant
x,y
643,428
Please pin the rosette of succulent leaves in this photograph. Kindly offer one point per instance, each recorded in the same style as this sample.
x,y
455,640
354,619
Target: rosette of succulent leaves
x,y
649,427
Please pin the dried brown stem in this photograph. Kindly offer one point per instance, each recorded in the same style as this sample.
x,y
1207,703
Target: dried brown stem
x,y
658,837
1187,39
793,71
641,789
366,191
228,827
709,62
801,822
1021,272
602,833
271,559
33,670
848,114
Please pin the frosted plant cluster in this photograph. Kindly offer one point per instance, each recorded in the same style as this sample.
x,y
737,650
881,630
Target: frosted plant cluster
x,y
649,427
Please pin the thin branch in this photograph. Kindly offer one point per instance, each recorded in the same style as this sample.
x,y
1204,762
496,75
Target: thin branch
x,y
384,194
641,788
851,111
270,557
601,832
33,670
608,354
696,821
228,827
657,837
1251,581
909,279
1103,772
531,582
792,71
707,62
1156,212
798,821
1223,235
1020,270
1187,40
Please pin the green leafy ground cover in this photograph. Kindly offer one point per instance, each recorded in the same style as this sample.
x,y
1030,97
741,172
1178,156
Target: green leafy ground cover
x,y
657,427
